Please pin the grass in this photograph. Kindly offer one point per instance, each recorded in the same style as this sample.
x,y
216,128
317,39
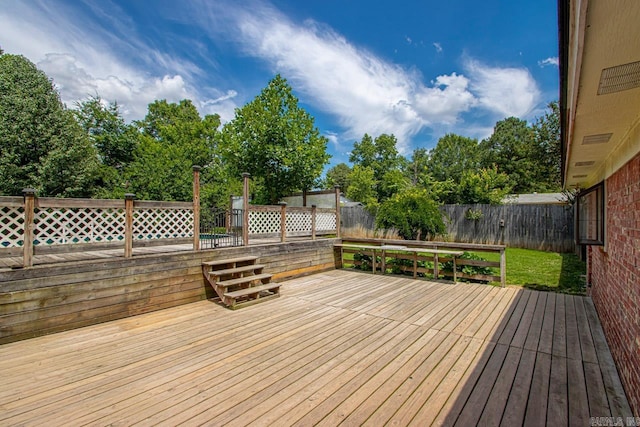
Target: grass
x,y
543,271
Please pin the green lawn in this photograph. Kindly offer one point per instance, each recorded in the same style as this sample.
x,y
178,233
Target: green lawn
x,y
547,271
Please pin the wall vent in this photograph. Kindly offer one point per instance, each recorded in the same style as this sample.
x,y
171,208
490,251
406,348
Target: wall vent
x,y
579,176
590,163
596,139
619,78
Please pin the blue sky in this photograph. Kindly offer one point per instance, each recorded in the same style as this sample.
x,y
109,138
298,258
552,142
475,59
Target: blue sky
x,y
417,69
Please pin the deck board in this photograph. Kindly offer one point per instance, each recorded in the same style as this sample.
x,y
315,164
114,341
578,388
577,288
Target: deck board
x,y
338,347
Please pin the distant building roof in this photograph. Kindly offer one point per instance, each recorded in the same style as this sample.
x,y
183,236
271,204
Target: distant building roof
x,y
536,199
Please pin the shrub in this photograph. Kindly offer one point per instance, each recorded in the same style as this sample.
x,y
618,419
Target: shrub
x,y
413,213
469,269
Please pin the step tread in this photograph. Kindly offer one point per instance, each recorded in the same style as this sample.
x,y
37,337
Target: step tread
x,y
242,269
252,290
239,280
230,260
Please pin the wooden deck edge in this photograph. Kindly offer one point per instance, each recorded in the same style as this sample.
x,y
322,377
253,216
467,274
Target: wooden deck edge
x,y
300,272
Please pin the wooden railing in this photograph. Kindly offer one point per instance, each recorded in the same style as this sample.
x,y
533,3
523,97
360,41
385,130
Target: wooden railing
x,y
434,258
33,225
282,221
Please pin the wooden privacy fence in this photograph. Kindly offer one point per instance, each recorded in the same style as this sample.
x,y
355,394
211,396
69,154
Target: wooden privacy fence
x,y
357,216
543,227
547,227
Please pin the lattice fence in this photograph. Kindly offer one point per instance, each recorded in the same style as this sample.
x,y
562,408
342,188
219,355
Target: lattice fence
x,y
264,221
11,226
59,226
326,221
149,224
298,222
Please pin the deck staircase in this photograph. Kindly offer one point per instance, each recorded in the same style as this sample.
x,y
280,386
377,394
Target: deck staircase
x,y
240,282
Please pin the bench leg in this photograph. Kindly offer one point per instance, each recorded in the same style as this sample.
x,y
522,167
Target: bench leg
x,y
455,271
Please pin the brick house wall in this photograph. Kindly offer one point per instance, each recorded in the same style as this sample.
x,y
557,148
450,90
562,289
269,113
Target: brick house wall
x,y
614,275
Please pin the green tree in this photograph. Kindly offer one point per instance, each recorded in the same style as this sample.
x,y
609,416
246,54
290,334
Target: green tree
x,y
486,186
275,140
413,213
417,168
41,144
362,187
338,175
547,151
114,140
111,136
392,182
382,156
510,149
173,137
453,155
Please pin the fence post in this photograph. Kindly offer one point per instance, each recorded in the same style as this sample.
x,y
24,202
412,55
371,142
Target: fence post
x,y
503,267
337,188
313,222
245,209
283,221
228,214
128,224
196,208
27,244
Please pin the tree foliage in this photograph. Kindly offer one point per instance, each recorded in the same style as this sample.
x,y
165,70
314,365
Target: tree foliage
x,y
412,212
510,149
275,140
338,175
41,144
486,186
547,151
381,155
452,156
362,186
172,139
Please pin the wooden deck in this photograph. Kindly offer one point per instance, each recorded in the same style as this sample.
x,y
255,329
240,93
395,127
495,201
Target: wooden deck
x,y
337,347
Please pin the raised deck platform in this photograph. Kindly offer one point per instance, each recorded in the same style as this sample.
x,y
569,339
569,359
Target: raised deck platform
x,y
341,347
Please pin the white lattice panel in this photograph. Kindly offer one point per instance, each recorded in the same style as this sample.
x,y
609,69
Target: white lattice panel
x,y
263,222
162,223
298,222
11,227
77,225
325,221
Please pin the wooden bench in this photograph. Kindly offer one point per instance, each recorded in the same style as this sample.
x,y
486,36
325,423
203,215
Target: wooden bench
x,y
400,248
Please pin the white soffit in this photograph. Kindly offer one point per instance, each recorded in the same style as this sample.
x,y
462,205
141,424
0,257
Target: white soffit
x,y
607,105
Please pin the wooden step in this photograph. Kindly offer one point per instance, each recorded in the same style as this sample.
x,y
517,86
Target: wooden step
x,y
230,260
241,280
252,290
243,269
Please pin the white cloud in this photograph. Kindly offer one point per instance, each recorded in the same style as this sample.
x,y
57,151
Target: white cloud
x,y
366,93
551,61
504,91
84,59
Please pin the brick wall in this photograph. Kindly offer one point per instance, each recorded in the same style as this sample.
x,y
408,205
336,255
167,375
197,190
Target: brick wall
x,y
615,276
